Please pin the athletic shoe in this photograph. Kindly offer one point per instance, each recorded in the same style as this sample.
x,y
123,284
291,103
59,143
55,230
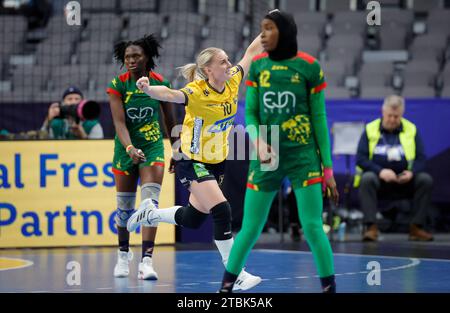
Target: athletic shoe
x,y
122,268
246,281
145,215
145,269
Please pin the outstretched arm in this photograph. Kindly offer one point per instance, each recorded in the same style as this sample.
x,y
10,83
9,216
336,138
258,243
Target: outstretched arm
x,y
161,93
253,50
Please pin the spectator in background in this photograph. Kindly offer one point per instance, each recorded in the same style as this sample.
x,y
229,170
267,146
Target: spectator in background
x,y
67,127
391,163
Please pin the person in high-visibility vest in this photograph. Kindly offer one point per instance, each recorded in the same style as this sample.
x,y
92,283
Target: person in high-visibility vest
x,y
391,163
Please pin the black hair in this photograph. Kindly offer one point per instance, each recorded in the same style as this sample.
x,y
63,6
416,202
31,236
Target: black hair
x,y
148,43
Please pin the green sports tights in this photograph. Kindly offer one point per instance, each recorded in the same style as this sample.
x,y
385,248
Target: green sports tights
x,y
256,210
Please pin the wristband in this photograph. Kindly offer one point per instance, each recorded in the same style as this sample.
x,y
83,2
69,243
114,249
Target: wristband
x,y
327,174
128,148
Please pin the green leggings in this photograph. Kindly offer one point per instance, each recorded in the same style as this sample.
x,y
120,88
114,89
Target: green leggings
x,y
256,209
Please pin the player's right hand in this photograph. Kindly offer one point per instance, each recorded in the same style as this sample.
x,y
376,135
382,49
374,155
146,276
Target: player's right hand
x,y
137,155
142,83
265,152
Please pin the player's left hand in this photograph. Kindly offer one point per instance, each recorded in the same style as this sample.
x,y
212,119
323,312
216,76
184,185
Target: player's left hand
x,y
329,186
172,165
176,156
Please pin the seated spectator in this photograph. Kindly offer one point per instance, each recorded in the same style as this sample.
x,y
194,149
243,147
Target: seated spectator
x,y
391,164
67,127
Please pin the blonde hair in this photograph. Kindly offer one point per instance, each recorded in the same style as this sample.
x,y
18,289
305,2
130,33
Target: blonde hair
x,y
395,102
195,71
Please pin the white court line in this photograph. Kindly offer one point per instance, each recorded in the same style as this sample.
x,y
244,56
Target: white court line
x,y
352,255
414,262
27,263
282,278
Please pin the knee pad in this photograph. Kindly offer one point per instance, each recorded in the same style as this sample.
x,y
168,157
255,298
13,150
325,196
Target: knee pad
x,y
151,191
125,207
190,217
221,214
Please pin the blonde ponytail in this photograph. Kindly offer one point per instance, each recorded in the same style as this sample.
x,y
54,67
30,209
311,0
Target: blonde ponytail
x,y
194,71
191,72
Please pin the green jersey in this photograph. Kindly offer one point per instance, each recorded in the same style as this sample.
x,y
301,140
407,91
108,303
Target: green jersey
x,y
286,93
141,111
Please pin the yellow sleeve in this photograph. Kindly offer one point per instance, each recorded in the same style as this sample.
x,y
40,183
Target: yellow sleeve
x,y
191,93
237,74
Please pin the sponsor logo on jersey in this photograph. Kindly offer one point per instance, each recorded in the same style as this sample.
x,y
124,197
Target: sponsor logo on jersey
x,y
222,125
279,68
195,144
139,114
279,100
200,170
206,92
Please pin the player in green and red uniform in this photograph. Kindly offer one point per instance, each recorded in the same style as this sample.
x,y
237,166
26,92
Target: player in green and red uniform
x,y
138,145
285,89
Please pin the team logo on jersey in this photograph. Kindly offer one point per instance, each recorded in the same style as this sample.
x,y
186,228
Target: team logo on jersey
x,y
279,100
295,79
222,125
139,114
206,92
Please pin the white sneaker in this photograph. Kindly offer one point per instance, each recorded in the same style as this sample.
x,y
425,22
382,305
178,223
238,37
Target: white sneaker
x,y
246,281
145,215
122,268
145,269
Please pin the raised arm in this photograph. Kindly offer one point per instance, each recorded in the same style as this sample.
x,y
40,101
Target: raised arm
x,y
161,93
253,49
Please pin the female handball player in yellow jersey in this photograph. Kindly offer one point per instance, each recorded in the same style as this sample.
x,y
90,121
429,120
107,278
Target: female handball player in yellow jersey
x,y
210,101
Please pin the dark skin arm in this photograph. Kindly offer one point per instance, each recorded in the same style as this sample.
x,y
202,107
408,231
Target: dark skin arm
x,y
168,113
118,115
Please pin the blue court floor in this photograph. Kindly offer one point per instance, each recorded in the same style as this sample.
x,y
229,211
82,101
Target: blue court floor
x,y
50,270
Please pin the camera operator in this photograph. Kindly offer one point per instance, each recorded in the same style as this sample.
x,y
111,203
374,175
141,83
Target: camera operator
x,y
62,122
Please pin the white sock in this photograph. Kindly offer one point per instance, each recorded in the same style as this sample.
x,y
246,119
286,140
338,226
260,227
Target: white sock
x,y
224,247
167,215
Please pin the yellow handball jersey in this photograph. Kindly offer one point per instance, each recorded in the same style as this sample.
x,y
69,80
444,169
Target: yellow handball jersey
x,y
209,118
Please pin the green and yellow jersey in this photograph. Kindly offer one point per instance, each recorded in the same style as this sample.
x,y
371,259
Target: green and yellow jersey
x,y
141,111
